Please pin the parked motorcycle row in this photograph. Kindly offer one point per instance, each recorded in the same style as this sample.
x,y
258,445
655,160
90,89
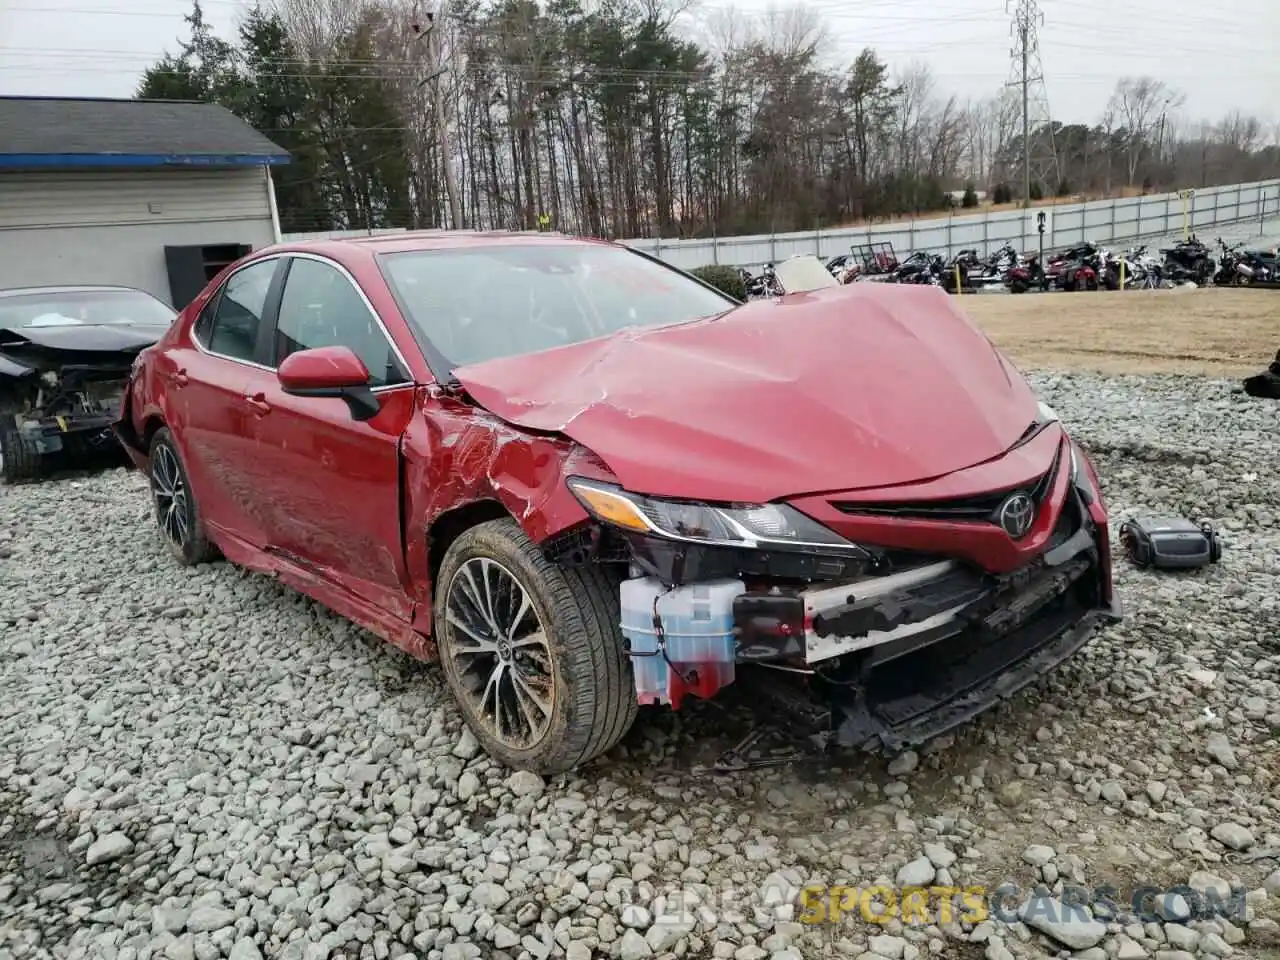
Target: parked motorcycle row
x,y
1084,266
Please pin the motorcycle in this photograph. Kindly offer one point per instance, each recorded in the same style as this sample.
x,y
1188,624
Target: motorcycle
x,y
1072,269
1027,273
1188,260
1127,265
764,285
977,273
920,267
1243,266
838,266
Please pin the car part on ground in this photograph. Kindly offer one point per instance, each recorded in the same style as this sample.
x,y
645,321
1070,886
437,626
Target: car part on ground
x,y
511,490
65,357
1170,543
1265,385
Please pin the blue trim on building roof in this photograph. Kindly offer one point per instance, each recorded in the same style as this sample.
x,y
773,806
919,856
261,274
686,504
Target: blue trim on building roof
x,y
110,160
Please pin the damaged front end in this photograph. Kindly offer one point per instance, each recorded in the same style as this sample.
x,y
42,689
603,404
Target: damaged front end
x,y
896,646
61,400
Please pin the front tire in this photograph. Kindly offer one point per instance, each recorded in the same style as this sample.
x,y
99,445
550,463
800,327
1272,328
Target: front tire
x,y
19,458
532,651
177,514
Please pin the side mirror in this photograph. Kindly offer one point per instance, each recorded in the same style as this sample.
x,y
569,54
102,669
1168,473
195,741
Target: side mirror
x,y
330,372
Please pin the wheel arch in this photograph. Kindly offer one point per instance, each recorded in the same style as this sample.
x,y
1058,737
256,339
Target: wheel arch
x,y
451,524
151,425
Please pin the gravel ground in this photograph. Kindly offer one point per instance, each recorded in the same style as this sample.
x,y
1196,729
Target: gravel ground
x,y
200,763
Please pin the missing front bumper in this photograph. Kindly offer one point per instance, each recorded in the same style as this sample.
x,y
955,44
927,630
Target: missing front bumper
x,y
960,648
903,611
900,660
915,699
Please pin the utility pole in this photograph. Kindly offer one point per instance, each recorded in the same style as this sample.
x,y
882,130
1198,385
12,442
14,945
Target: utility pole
x,y
436,70
1026,117
1028,73
1160,136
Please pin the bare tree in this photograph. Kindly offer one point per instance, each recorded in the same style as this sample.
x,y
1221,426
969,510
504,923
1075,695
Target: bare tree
x,y
794,31
1008,119
318,26
915,85
1240,133
980,139
1137,104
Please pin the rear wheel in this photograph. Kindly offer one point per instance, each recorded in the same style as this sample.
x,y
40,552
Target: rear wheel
x,y
532,651
177,514
19,458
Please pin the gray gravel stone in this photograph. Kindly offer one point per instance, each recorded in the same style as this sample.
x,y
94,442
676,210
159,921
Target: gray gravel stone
x,y
633,947
1038,855
1232,835
1062,923
904,763
344,900
206,919
1272,884
918,873
110,847
245,949
293,787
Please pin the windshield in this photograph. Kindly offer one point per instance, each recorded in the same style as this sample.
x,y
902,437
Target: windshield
x,y
71,308
479,303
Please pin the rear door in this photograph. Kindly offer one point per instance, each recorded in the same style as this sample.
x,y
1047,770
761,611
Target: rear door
x,y
329,485
205,391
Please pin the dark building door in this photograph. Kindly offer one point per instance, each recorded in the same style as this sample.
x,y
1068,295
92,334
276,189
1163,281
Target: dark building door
x,y
190,268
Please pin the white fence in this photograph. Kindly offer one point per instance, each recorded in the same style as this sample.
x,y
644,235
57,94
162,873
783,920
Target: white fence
x,y
1100,221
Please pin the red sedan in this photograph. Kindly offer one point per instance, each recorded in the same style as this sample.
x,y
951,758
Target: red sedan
x,y
586,480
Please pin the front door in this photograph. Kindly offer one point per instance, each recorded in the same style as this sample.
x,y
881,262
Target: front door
x,y
329,484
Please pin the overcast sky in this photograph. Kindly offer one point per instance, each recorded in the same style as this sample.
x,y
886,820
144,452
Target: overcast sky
x,y
1221,56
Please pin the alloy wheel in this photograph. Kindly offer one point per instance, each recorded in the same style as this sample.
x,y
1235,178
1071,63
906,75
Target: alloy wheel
x,y
499,651
170,495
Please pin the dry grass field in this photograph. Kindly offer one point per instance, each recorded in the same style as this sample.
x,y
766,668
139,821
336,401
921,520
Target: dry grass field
x,y
1205,332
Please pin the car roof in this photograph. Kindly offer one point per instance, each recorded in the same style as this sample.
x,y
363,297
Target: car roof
x,y
416,240
70,288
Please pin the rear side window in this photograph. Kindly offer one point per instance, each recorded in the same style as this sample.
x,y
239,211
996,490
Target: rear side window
x,y
238,311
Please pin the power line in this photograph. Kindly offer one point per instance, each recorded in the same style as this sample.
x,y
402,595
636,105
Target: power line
x,y
1028,74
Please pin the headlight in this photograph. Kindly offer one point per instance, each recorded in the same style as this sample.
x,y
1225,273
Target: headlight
x,y
1082,475
764,526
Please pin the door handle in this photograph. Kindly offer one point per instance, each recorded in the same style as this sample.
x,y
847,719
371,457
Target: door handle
x,y
258,403
179,378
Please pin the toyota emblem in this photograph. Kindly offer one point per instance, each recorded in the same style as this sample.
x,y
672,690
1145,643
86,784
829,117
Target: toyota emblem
x,y
1016,515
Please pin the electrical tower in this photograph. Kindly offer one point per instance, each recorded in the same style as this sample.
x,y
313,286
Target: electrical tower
x,y
1039,159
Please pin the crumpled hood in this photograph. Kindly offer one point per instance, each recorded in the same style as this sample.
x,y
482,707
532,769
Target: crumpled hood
x,y
864,385
107,337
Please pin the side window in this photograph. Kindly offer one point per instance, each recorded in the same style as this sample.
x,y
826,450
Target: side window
x,y
321,308
238,313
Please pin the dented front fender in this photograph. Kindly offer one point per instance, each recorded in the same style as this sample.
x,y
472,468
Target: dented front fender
x,y
457,455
